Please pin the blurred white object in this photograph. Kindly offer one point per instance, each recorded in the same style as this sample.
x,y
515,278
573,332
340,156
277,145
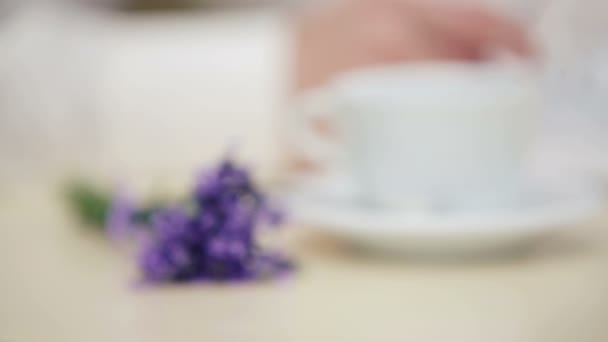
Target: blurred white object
x,y
154,96
405,148
419,153
454,234
43,87
575,48
180,91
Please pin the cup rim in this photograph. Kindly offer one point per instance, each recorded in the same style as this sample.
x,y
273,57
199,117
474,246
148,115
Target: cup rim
x,y
421,84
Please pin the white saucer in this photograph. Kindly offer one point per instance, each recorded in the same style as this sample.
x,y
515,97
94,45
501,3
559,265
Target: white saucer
x,y
446,233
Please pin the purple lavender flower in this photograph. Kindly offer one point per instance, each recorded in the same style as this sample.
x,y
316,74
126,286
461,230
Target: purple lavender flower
x,y
168,253
215,239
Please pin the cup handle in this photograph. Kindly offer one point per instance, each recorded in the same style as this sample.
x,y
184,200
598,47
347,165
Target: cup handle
x,y
314,106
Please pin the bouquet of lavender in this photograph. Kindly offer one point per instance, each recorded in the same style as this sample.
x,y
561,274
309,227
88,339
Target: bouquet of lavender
x,y
210,236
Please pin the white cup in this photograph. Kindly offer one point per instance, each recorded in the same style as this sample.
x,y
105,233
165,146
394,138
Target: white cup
x,y
421,136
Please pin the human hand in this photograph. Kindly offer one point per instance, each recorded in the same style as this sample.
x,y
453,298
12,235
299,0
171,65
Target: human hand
x,y
359,33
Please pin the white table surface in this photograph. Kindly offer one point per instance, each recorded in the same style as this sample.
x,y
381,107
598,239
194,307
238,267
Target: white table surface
x,y
62,283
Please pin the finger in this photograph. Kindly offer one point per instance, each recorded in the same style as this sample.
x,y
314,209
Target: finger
x,y
421,42
475,28
490,30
